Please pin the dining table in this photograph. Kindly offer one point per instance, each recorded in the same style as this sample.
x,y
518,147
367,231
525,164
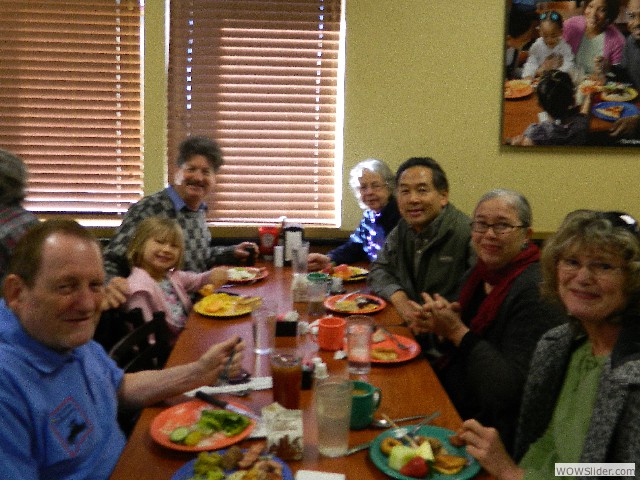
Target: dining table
x,y
522,110
408,387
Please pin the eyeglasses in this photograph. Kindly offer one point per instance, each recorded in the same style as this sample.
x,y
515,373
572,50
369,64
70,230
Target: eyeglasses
x,y
598,268
500,228
551,15
374,187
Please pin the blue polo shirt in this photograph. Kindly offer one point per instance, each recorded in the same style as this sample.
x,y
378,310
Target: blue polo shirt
x,y
57,411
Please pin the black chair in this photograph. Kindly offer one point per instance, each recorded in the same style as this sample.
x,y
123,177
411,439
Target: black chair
x,y
115,324
147,347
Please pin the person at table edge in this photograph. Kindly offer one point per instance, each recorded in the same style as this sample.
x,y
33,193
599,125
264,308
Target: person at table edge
x,y
490,333
595,41
429,250
372,183
629,71
59,391
581,401
199,159
14,218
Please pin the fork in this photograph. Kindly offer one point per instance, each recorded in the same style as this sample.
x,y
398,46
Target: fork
x,y
346,295
416,428
393,338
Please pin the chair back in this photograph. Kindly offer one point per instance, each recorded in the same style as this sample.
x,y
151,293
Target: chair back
x,y
145,348
115,324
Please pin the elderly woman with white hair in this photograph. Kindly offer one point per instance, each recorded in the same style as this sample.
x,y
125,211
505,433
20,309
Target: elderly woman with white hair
x,y
490,333
14,220
372,182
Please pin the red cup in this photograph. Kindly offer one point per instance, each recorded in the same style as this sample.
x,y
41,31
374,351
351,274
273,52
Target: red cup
x,y
331,333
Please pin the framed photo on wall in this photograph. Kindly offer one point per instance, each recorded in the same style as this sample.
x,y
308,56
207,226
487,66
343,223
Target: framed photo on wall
x,y
572,73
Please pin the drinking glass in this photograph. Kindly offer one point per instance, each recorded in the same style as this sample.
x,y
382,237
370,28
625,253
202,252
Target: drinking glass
x,y
299,256
263,321
316,293
286,373
359,331
333,415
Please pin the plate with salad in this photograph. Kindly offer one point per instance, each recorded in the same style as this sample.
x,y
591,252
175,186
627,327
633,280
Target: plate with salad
x,y
197,426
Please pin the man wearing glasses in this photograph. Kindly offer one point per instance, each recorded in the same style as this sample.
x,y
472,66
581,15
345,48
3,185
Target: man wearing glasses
x,y
429,250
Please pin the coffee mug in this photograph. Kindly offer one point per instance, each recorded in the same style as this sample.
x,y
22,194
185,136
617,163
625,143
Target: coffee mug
x,y
331,333
365,400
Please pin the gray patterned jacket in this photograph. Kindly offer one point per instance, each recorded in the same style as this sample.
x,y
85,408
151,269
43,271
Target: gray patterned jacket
x,y
199,255
614,431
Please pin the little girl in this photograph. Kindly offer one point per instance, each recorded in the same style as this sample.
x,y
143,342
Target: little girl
x,y
562,123
155,253
550,51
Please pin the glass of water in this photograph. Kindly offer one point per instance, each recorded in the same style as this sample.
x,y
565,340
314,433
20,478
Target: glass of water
x,y
359,331
263,320
333,415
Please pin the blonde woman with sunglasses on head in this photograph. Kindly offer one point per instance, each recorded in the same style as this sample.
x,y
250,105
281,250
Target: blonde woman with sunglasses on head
x,y
581,402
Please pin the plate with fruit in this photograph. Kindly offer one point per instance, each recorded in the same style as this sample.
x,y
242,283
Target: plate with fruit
x,y
346,272
434,459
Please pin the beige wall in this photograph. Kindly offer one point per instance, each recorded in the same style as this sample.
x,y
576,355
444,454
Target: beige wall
x,y
423,78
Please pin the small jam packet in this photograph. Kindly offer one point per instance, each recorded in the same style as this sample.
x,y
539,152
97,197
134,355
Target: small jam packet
x,y
284,432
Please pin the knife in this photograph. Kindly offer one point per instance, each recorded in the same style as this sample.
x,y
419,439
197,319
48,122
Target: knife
x,y
226,405
357,448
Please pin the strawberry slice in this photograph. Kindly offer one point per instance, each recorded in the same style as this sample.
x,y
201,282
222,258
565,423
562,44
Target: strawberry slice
x,y
417,467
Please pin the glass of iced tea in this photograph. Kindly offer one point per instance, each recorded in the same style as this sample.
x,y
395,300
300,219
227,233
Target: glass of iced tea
x,y
286,372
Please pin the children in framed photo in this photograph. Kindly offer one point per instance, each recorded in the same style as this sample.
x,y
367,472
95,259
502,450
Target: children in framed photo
x,y
572,73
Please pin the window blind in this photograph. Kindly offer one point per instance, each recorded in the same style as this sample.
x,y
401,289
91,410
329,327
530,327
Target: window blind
x,y
70,102
261,78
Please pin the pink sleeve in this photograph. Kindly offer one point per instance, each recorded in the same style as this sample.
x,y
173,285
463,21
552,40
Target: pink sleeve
x,y
613,45
572,32
191,281
141,300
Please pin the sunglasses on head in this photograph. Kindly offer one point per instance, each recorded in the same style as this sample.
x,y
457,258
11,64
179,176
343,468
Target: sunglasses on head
x,y
622,220
551,15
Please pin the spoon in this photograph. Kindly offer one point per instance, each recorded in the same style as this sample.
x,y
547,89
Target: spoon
x,y
383,423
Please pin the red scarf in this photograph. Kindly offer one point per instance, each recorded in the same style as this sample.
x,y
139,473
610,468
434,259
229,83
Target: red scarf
x,y
500,280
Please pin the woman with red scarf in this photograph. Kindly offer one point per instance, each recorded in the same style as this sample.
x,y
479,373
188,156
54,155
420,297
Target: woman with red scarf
x,y
490,333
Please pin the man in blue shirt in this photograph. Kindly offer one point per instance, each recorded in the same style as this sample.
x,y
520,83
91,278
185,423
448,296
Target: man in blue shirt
x,y
59,391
